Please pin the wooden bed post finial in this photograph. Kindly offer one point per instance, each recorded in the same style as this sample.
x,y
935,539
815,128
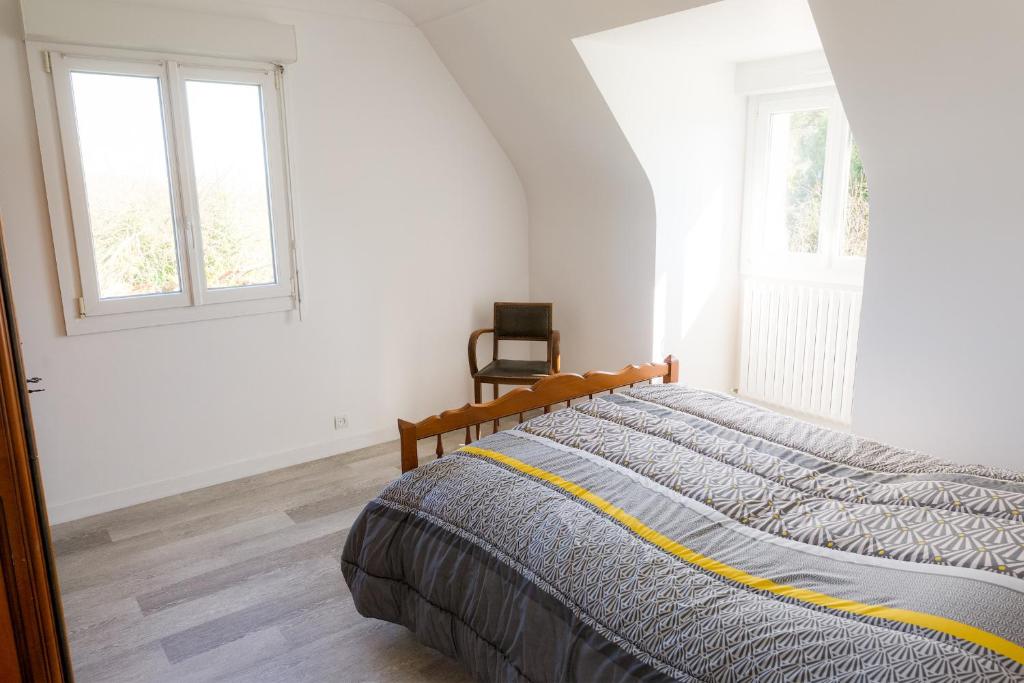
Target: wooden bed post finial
x,y
672,376
407,434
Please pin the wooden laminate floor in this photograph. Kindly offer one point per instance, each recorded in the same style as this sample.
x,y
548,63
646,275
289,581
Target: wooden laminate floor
x,y
235,582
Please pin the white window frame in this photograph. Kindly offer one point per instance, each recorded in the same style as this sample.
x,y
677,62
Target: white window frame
x,y
50,67
829,264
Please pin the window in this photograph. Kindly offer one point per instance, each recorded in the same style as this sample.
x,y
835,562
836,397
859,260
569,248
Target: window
x,y
177,188
806,209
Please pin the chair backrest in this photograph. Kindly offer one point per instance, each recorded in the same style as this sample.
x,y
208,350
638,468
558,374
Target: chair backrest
x,y
528,322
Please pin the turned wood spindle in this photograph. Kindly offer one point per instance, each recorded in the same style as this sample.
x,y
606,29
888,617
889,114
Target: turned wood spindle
x,y
546,394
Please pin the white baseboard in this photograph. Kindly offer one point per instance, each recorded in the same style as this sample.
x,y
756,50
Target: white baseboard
x,y
142,493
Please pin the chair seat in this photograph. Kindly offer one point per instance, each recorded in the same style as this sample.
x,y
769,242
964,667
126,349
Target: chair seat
x,y
514,369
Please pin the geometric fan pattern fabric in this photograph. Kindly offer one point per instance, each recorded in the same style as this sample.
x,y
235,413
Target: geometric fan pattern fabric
x,y
712,631
671,534
741,417
923,521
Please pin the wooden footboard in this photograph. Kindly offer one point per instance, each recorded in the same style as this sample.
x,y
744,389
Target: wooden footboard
x,y
548,392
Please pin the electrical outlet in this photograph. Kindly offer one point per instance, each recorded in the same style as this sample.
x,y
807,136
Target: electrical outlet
x,y
341,422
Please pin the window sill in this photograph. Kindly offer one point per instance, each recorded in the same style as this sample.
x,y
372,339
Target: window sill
x,y
93,324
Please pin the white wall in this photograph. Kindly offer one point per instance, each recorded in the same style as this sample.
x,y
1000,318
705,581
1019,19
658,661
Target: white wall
x,y
592,214
392,239
685,123
594,206
633,191
932,91
404,198
671,84
934,94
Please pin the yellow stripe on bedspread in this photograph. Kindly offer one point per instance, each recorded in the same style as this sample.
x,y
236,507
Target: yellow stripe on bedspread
x,y
929,621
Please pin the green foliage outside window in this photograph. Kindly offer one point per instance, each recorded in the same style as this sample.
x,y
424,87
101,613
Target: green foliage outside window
x,y
808,137
857,207
133,239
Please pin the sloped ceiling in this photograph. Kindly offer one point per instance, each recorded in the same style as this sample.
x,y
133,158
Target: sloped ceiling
x,y
579,16
422,11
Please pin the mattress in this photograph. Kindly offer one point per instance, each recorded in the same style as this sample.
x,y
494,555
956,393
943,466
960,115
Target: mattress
x,y
666,533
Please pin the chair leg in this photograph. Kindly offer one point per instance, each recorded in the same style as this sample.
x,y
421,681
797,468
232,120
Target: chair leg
x,y
477,398
495,398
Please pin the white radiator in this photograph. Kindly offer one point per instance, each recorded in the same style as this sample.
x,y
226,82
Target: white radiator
x,y
799,346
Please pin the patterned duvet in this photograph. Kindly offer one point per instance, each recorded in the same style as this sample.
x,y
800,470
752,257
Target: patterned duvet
x,y
673,534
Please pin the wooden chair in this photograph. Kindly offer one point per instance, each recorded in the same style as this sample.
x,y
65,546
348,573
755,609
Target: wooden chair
x,y
521,322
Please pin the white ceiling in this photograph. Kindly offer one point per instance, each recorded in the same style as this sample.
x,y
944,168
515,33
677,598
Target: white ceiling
x,y
734,30
422,11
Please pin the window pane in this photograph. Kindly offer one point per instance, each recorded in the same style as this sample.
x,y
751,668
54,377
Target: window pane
x,y
124,161
857,207
796,168
228,151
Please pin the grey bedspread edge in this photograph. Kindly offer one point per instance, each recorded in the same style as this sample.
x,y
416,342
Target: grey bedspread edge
x,y
402,568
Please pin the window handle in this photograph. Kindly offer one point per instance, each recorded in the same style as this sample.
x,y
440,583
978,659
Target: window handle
x,y
190,234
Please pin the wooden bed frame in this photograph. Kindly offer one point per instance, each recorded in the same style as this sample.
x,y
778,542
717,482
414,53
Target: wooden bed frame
x,y
548,392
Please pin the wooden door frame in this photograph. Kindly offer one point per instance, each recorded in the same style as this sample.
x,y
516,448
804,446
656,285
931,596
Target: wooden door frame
x,y
26,558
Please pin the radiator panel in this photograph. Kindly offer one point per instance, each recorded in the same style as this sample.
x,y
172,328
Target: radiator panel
x,y
799,346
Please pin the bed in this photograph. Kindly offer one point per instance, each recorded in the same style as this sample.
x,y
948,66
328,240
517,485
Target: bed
x,y
641,531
